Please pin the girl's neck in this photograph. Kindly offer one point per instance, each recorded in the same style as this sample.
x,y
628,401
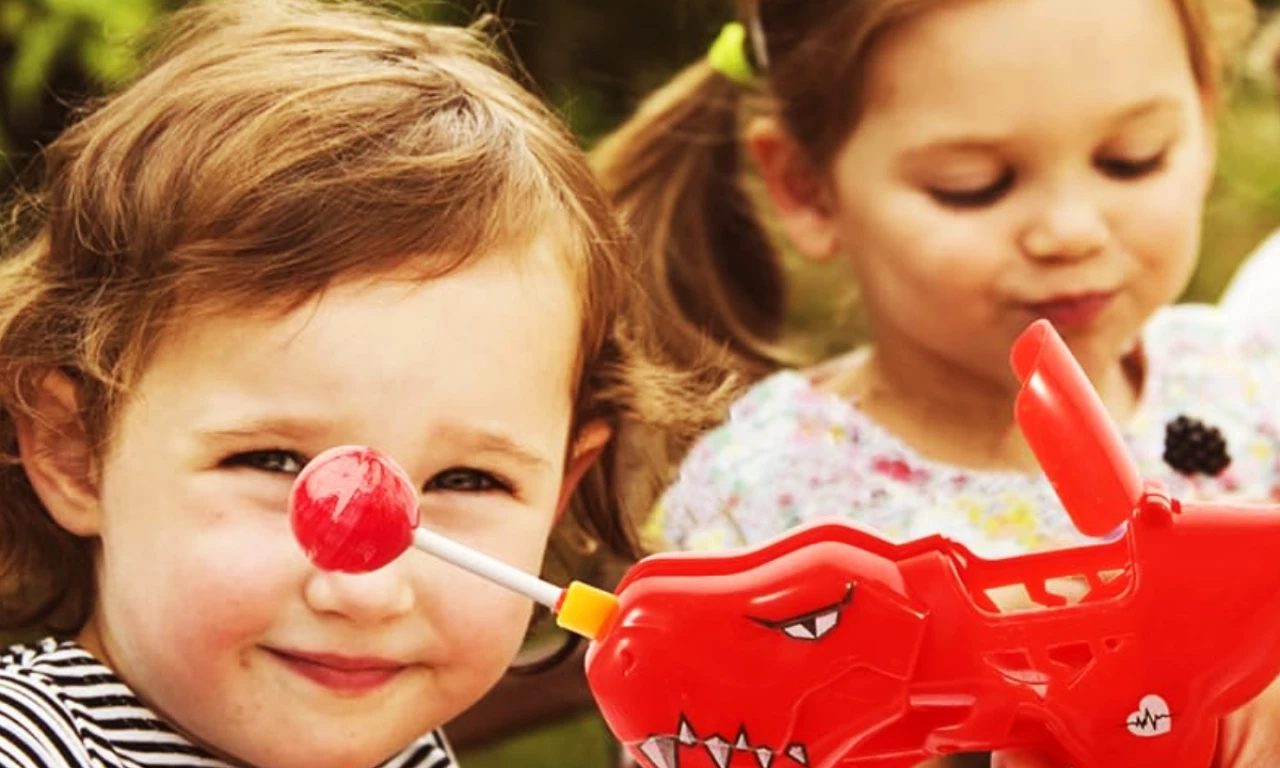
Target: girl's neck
x,y
93,639
90,639
955,415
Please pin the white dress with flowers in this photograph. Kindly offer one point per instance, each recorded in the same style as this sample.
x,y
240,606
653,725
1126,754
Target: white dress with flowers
x,y
791,453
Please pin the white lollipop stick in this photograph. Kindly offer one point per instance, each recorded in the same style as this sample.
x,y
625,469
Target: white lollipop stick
x,y
581,608
487,567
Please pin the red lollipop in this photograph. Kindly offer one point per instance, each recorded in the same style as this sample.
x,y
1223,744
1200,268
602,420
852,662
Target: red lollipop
x,y
353,509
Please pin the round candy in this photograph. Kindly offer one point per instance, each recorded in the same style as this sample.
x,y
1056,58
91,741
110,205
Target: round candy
x,y
353,509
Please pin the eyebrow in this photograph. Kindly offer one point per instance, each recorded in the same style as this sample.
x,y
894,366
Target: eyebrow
x,y
283,428
1149,107
491,442
979,143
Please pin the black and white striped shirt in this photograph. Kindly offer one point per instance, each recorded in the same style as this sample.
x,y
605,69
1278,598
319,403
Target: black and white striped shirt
x,y
62,708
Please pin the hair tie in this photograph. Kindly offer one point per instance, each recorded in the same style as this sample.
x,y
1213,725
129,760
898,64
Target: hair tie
x,y
728,54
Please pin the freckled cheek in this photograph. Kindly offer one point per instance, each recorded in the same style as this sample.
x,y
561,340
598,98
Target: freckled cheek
x,y
482,624
514,533
464,606
912,240
1162,232
225,586
940,268
525,548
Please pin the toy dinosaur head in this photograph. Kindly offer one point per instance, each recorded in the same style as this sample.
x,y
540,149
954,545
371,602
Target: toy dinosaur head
x,y
783,657
801,652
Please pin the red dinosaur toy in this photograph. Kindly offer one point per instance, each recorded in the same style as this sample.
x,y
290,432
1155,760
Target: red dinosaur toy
x,y
831,647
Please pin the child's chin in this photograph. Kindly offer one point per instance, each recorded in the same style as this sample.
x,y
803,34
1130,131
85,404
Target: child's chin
x,y
358,742
333,753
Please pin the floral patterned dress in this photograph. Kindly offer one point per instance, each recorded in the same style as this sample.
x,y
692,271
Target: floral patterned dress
x,y
791,453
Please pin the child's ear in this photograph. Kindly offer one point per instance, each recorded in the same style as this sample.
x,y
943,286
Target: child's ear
x,y
801,198
57,457
588,444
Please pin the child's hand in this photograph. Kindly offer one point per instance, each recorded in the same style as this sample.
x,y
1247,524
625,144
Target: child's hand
x,y
1021,760
1249,738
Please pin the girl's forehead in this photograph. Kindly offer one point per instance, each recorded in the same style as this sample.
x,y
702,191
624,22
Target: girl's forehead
x,y
997,59
425,330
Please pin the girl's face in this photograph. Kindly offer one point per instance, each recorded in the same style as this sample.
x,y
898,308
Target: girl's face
x,y
1019,160
207,605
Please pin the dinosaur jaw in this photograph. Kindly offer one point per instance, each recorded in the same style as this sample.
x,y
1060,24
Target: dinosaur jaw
x,y
665,750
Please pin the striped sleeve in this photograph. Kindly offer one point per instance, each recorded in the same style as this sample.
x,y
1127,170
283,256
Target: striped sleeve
x,y
431,751
36,730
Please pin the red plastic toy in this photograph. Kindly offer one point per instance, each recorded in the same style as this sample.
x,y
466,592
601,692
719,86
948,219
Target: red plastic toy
x,y
831,647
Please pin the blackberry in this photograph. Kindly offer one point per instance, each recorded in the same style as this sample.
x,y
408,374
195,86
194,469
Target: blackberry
x,y
1193,447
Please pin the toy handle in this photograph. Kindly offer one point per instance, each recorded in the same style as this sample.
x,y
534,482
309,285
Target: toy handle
x,y
1071,433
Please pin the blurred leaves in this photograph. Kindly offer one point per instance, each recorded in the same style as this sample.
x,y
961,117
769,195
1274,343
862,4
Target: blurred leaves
x,y
98,32
85,45
592,60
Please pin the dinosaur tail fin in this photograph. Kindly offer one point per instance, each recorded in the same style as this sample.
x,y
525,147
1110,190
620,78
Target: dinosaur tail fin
x,y
1071,434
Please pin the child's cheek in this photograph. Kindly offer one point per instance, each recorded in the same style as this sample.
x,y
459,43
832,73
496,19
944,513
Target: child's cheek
x,y
485,625
230,583
1163,234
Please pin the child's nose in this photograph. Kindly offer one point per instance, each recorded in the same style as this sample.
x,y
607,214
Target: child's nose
x,y
1068,227
364,598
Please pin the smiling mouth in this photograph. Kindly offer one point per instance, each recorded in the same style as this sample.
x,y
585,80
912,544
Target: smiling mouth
x,y
1078,310
340,674
664,750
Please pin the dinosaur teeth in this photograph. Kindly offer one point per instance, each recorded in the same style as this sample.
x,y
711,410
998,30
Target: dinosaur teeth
x,y
686,735
661,751
719,750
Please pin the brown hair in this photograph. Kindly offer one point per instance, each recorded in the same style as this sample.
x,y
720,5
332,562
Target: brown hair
x,y
674,168
267,151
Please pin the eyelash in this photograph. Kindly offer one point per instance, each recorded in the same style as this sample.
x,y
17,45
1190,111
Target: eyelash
x,y
488,482
272,460
1126,170
1120,169
975,198
277,461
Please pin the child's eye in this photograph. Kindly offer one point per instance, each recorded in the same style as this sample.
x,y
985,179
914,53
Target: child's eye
x,y
1124,169
466,480
979,197
279,461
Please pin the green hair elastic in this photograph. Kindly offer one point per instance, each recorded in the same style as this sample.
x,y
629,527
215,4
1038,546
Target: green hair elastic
x,y
728,54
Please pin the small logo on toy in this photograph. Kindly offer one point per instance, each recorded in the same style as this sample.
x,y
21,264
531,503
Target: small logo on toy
x,y
1152,718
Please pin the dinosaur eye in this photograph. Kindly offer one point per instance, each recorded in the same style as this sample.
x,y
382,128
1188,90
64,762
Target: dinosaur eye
x,y
813,625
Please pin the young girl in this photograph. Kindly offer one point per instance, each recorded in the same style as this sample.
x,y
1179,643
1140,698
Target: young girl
x,y
979,165
303,226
